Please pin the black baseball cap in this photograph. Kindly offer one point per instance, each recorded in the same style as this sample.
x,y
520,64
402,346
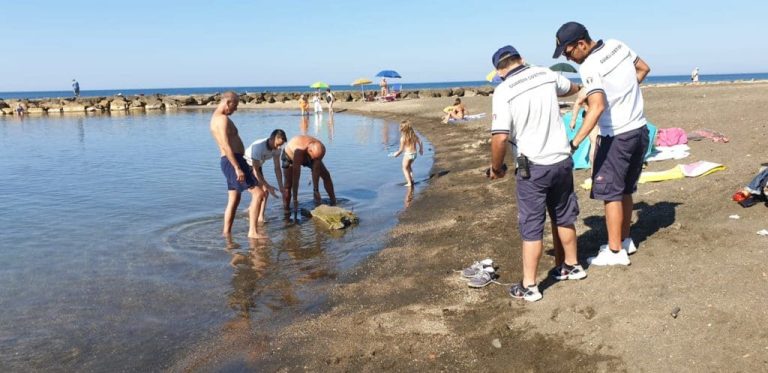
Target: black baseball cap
x,y
503,53
568,33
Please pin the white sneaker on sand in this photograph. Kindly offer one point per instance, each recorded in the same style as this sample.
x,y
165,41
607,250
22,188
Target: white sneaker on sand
x,y
629,245
606,257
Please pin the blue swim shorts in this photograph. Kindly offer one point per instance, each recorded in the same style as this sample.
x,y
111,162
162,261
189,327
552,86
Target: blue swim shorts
x,y
231,175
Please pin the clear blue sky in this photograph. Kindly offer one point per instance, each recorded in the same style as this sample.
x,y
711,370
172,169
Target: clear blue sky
x,y
191,43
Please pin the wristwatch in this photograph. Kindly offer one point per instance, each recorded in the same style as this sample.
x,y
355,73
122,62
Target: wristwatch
x,y
573,147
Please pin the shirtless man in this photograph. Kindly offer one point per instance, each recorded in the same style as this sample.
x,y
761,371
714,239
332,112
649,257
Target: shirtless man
x,y
305,151
237,172
384,88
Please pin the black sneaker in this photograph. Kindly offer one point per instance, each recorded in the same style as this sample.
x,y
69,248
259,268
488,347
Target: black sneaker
x,y
566,272
530,293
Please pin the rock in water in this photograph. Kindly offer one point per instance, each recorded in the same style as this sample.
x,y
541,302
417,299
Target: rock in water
x,y
335,217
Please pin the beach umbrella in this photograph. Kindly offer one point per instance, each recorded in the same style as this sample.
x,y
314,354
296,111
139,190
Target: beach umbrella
x,y
493,77
563,67
388,74
362,82
319,85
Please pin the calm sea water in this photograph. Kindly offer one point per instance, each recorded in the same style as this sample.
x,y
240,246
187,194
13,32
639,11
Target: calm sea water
x,y
653,79
110,254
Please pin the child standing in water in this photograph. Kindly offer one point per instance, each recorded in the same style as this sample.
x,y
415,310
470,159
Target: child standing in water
x,y
408,143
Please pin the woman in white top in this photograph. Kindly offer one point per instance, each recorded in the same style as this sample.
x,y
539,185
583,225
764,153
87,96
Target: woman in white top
x,y
316,103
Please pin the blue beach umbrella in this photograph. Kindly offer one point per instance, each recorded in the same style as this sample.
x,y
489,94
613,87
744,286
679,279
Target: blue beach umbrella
x,y
388,74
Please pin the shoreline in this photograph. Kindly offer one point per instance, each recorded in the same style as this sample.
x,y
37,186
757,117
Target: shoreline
x,y
159,102
404,309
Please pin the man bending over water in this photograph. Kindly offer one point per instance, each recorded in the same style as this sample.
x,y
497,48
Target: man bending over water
x,y
237,172
305,151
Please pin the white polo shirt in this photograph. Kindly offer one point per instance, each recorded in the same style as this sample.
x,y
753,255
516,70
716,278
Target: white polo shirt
x,y
610,68
525,107
259,151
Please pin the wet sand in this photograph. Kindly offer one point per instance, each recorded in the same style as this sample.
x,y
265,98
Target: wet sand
x,y
405,309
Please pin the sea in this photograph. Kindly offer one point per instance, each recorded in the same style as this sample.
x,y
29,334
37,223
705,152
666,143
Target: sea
x,y
651,79
111,254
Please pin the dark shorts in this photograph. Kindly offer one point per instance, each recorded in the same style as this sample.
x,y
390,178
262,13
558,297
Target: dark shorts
x,y
287,162
231,175
618,164
549,189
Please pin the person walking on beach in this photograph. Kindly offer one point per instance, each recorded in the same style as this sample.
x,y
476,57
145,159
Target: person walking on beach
x,y
316,103
329,99
303,105
76,88
526,113
695,75
304,151
611,73
408,143
259,152
234,166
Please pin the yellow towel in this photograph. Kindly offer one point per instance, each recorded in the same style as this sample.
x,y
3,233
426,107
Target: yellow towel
x,y
654,176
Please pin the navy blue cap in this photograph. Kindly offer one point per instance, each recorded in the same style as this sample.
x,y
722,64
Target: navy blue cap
x,y
503,53
568,33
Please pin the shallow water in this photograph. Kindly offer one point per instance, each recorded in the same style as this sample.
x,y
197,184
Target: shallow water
x,y
110,254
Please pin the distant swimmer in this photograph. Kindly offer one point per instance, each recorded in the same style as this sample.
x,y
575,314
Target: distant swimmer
x,y
305,151
234,166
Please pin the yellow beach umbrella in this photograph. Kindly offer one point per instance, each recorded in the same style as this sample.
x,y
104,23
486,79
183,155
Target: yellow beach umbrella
x,y
361,82
492,77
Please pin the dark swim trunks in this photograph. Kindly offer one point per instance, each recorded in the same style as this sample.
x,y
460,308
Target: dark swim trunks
x,y
287,162
231,174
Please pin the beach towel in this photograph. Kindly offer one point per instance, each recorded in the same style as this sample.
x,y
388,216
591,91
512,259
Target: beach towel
x,y
670,137
662,153
695,169
581,155
701,168
467,118
708,134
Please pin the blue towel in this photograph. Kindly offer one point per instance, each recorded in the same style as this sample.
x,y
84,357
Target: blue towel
x,y
581,156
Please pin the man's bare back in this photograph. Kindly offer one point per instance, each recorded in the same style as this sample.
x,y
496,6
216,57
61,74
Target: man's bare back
x,y
301,142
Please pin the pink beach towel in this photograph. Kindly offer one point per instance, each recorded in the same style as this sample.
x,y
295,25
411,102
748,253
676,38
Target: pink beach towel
x,y
671,136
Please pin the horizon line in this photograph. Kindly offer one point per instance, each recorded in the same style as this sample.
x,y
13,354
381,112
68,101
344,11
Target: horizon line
x,y
331,85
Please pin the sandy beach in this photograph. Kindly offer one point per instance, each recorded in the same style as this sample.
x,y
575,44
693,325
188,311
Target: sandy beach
x,y
406,309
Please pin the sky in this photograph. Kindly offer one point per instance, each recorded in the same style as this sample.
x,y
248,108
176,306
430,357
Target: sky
x,y
193,43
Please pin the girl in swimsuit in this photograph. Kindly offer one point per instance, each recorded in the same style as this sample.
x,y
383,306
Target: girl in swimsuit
x,y
408,143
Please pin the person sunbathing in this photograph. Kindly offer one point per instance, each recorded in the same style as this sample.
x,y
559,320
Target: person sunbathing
x,y
458,111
